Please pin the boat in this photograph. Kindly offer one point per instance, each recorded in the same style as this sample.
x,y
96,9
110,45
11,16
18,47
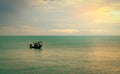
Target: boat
x,y
36,45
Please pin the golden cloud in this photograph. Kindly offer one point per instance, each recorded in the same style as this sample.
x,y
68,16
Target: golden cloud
x,y
65,30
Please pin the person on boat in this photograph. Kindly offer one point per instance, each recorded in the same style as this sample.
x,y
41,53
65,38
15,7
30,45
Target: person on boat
x,y
31,46
39,44
35,44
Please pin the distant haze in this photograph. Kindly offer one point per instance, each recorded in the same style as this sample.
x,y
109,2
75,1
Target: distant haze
x,y
59,17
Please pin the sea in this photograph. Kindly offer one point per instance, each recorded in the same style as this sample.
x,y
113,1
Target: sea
x,y
60,55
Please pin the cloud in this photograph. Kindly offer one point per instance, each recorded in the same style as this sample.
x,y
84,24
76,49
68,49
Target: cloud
x,y
65,30
12,6
42,17
116,12
112,1
20,30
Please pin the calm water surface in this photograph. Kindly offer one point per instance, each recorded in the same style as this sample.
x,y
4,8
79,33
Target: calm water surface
x,y
60,55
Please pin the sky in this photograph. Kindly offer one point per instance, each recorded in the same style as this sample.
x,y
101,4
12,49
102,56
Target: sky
x,y
59,17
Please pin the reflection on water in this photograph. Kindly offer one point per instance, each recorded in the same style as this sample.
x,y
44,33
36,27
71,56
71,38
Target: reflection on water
x,y
105,60
94,55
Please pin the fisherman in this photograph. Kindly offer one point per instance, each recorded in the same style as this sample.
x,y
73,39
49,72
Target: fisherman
x,y
31,46
39,43
35,44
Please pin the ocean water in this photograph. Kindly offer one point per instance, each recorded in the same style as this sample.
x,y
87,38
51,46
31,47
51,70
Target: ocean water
x,y
60,55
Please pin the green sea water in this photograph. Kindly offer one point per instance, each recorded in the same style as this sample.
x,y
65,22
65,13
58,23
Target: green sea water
x,y
60,55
